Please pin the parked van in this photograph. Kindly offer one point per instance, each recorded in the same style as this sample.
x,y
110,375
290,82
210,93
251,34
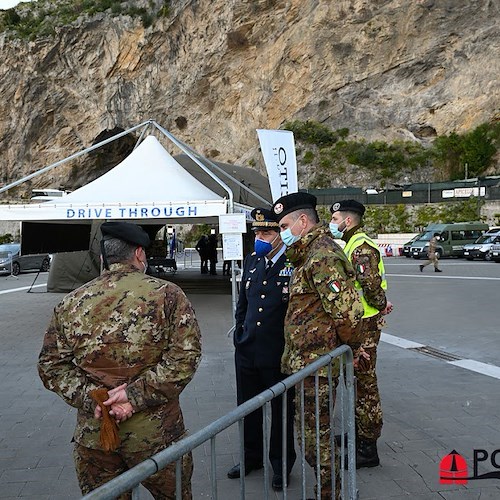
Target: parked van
x,y
452,238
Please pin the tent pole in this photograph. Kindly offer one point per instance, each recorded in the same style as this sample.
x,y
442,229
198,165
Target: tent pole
x,y
194,157
73,156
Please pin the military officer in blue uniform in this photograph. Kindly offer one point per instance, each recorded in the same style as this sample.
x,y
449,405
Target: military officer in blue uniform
x,y
259,344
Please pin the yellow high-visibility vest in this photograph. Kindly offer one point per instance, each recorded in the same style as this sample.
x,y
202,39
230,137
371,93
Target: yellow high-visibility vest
x,y
357,240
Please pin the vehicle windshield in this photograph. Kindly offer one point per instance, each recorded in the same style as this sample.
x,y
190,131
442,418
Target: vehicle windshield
x,y
426,236
9,248
486,238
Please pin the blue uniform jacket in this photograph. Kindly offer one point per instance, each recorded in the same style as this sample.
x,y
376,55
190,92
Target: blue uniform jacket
x,y
260,312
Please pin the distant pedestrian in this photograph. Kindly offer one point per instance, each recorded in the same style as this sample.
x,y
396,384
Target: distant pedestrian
x,y
131,341
202,249
433,256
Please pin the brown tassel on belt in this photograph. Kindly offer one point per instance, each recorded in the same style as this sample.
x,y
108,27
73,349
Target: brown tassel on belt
x,y
108,436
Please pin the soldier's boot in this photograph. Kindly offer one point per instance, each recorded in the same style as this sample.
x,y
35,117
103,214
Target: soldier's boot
x,y
366,454
436,270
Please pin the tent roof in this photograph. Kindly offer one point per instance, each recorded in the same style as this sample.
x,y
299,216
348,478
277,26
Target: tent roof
x,y
148,184
149,173
245,175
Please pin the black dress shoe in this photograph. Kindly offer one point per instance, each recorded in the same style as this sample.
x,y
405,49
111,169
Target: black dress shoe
x,y
234,472
278,482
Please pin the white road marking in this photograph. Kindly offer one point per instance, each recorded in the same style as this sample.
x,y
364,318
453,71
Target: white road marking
x,y
477,366
21,288
468,364
398,341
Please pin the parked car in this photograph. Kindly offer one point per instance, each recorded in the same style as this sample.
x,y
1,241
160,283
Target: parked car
x,y
481,248
11,262
407,246
495,253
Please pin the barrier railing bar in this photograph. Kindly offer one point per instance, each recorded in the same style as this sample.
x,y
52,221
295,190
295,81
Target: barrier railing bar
x,y
318,449
266,409
241,430
178,478
213,467
332,427
302,440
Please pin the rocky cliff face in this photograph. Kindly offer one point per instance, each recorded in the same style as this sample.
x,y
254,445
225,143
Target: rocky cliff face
x,y
215,70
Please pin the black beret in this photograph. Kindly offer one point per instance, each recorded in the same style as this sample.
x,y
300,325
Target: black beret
x,y
264,219
131,233
291,202
348,206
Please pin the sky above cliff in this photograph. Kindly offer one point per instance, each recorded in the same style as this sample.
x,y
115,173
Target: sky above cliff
x,y
7,4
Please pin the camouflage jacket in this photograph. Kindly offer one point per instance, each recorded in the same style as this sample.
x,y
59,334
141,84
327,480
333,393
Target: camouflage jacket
x,y
324,309
432,247
365,261
121,327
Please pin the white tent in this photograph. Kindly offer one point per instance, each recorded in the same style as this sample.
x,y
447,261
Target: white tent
x,y
149,187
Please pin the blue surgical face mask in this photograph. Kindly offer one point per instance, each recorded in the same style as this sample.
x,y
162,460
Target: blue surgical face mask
x,y
262,247
288,238
334,229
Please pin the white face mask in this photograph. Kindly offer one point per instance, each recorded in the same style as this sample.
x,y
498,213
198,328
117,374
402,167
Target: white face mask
x,y
288,238
334,229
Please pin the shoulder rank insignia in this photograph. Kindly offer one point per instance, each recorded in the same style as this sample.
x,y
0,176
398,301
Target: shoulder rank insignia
x,y
334,286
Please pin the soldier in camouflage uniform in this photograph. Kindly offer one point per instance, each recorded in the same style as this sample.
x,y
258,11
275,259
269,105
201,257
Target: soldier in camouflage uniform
x,y
366,260
433,256
324,311
138,337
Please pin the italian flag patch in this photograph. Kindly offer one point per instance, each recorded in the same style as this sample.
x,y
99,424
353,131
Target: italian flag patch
x,y
334,286
361,268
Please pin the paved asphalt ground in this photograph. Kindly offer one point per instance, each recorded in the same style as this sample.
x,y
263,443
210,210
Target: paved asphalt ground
x,y
432,404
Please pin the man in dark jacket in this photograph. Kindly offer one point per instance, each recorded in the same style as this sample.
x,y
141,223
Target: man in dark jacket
x,y
259,344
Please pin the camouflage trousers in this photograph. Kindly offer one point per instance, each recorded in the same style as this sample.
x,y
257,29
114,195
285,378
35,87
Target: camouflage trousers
x,y
433,258
368,407
325,462
96,467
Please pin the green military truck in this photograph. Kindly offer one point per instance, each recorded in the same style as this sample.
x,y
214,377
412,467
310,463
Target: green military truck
x,y
451,240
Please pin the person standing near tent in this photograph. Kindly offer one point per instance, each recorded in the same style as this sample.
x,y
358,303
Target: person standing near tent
x,y
259,343
132,342
202,249
364,255
324,311
212,253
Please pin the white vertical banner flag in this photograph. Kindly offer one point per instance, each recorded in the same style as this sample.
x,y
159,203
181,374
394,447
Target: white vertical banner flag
x,y
278,150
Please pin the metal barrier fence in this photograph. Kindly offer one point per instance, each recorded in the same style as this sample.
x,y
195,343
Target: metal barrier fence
x,y
341,382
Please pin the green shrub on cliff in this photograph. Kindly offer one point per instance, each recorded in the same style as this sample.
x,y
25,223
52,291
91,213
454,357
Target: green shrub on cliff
x,y
448,154
41,18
